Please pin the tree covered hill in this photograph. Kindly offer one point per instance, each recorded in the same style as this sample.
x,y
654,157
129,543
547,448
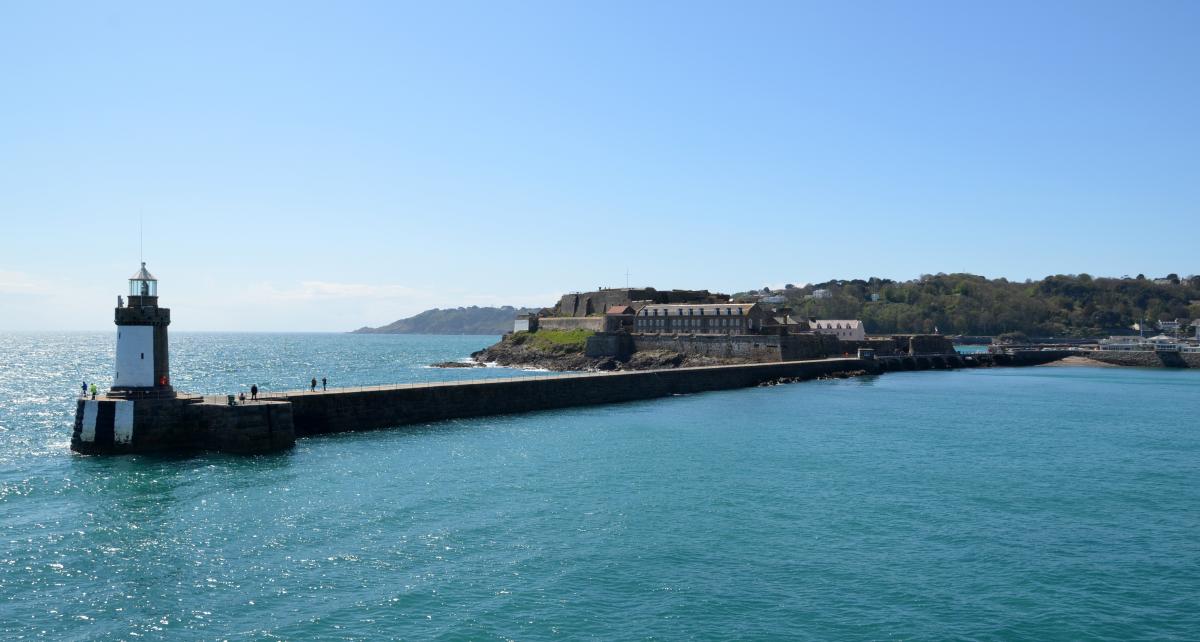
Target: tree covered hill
x,y
1062,305
472,320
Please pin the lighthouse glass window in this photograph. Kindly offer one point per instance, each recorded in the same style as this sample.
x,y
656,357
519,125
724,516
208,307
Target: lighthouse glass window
x,y
138,287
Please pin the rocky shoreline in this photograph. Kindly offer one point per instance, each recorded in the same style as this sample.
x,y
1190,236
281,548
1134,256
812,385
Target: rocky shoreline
x,y
570,357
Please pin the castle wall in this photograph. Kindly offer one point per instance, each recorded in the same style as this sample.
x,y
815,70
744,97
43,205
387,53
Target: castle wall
x,y
581,304
753,348
593,324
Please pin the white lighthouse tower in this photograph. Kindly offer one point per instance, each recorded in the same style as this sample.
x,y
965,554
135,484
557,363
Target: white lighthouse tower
x,y
143,366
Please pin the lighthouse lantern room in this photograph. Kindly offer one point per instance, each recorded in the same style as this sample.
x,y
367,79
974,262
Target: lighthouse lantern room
x,y
142,363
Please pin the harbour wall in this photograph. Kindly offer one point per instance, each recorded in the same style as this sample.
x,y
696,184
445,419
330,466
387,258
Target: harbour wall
x,y
116,426
1147,359
342,411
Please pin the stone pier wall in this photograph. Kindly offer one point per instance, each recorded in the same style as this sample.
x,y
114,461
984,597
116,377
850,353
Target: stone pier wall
x,y
340,411
115,426
1145,359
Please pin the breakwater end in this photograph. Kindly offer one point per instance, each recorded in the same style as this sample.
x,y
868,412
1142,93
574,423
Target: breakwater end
x,y
1143,358
175,422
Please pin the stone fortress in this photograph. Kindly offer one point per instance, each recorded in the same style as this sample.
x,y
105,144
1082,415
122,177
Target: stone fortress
x,y
707,324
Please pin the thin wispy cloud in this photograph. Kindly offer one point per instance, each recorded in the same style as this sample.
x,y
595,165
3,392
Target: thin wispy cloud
x,y
325,290
18,283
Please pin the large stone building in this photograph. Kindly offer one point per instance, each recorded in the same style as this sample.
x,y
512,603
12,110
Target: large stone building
x,y
582,304
701,318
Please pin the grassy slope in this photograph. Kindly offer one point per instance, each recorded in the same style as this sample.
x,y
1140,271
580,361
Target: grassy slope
x,y
553,341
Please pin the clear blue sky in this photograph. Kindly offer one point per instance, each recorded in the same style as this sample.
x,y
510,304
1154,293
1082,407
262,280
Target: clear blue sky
x,y
322,166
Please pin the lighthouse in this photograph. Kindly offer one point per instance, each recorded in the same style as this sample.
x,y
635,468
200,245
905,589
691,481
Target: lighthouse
x,y
143,367
142,413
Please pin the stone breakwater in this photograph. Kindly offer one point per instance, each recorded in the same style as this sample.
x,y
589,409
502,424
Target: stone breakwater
x,y
183,422
1146,359
114,426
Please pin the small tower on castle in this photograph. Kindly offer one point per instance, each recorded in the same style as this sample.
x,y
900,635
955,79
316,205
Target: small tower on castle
x,y
142,362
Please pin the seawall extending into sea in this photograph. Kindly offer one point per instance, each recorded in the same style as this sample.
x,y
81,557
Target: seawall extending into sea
x,y
1144,359
191,422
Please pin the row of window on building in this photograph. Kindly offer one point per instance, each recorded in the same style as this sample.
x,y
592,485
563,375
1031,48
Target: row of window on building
x,y
688,310
662,324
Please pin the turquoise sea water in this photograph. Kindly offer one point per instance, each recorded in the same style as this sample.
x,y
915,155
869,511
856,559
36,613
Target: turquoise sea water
x,y
1050,503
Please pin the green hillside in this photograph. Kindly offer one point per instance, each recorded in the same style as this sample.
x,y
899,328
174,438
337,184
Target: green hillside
x,y
1062,305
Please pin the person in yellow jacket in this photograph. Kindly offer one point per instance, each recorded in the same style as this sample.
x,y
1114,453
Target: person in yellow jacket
x,y
93,391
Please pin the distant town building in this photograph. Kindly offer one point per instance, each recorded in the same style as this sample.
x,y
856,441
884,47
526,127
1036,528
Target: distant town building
x,y
1160,343
1169,326
821,294
707,318
848,330
773,299
874,297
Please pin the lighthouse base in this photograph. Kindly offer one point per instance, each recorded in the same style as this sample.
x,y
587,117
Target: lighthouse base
x,y
116,425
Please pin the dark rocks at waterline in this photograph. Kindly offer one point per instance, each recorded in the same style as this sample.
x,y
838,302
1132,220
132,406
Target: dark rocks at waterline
x,y
840,374
524,356
456,364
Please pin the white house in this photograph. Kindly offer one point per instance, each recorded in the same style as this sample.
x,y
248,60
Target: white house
x,y
850,330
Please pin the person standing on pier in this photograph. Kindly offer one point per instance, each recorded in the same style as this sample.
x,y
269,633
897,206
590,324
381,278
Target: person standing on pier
x,y
324,384
93,389
313,384
253,392
83,389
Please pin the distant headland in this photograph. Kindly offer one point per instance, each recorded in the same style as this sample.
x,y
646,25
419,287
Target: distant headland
x,y
468,320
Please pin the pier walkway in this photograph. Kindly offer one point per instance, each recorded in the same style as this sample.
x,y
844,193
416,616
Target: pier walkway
x,y
210,422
